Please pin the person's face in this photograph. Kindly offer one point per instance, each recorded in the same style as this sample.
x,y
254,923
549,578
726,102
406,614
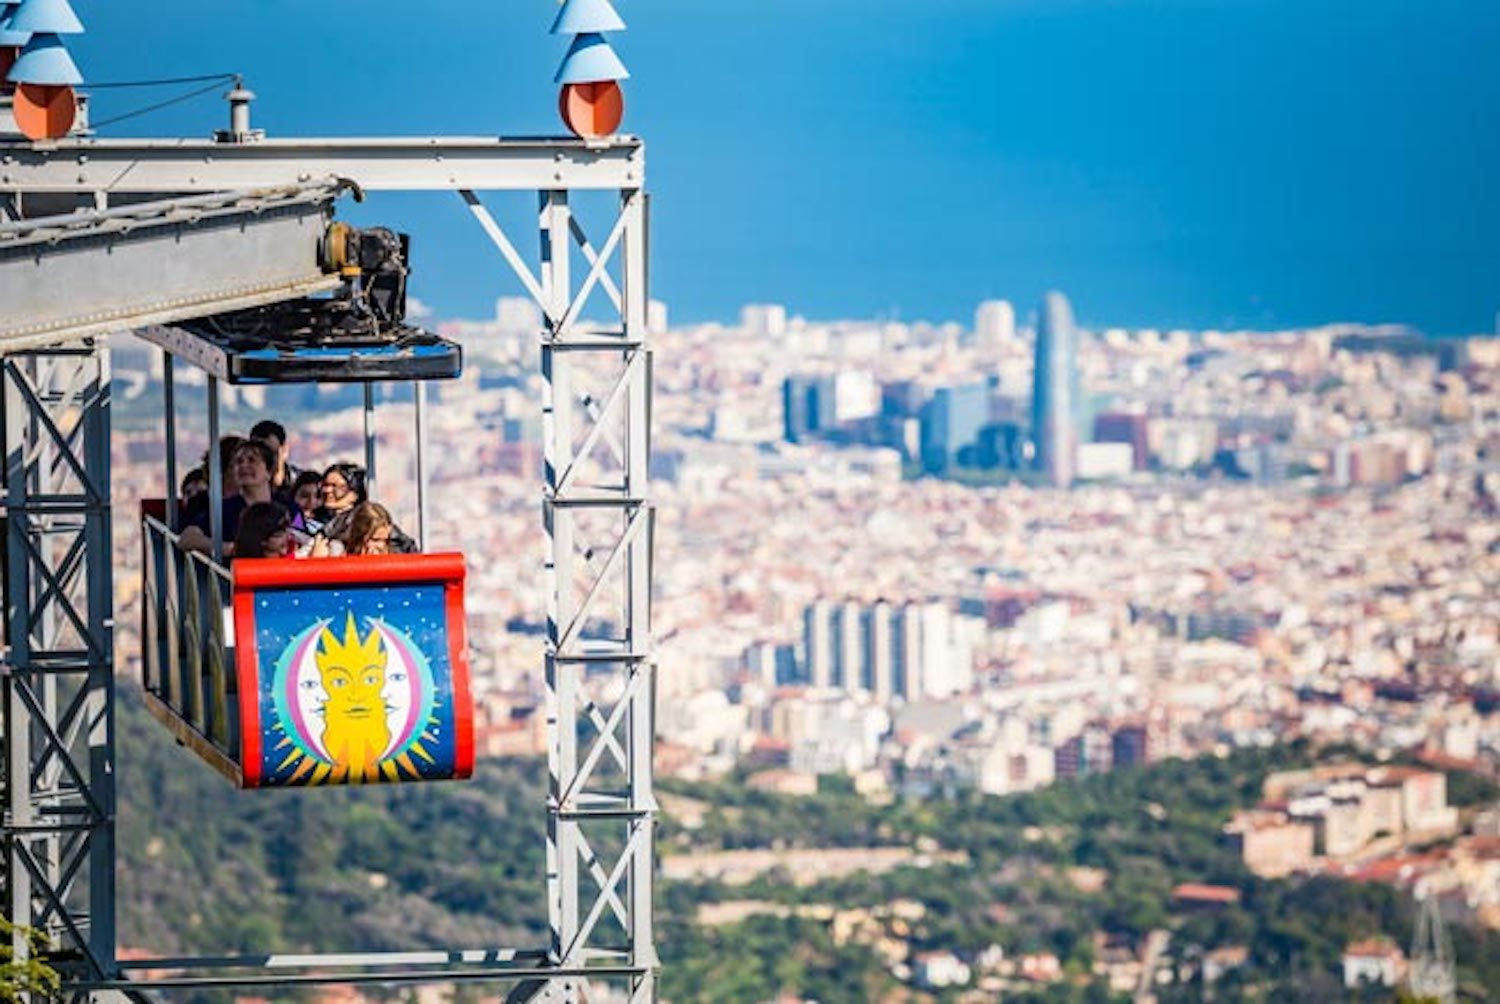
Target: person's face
x,y
379,542
307,497
250,470
193,489
276,543
335,491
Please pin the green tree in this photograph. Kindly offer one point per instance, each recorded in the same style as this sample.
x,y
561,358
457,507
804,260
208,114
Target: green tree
x,y
28,974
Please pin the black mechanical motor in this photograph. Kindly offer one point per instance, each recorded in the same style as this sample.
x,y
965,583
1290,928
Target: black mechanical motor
x,y
374,260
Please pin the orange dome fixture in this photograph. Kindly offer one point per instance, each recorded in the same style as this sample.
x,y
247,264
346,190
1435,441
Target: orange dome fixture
x,y
592,110
43,72
45,111
592,104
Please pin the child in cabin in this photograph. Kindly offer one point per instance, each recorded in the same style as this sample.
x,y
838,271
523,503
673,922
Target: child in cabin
x,y
371,530
305,495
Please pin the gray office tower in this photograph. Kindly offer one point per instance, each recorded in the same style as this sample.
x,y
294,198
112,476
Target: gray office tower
x,y
1055,401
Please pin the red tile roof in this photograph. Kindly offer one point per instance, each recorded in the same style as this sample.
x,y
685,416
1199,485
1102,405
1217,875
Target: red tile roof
x,y
1193,892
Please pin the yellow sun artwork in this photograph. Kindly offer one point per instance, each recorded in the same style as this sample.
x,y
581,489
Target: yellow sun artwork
x,y
369,707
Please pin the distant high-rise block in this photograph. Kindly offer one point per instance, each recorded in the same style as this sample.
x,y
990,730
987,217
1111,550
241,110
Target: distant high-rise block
x,y
856,396
764,319
809,405
906,653
994,324
817,634
656,317
879,645
1001,445
1131,746
771,664
911,651
1125,427
795,417
1089,752
900,399
1055,400
951,421
940,670
848,647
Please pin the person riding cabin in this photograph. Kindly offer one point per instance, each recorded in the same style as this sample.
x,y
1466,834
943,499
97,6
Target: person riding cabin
x,y
305,492
251,468
371,531
195,506
340,492
283,474
194,483
265,531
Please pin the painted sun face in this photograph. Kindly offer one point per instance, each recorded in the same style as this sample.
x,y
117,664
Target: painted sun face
x,y
353,673
352,710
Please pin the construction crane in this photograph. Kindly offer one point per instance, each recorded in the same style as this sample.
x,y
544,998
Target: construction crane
x,y
106,235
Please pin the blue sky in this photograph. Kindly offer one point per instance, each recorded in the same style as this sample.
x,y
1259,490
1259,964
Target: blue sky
x,y
1165,162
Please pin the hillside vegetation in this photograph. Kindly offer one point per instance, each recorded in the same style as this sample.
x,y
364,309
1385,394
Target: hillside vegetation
x,y
209,869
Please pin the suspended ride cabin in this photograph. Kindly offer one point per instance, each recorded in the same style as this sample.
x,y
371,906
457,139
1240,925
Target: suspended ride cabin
x,y
334,670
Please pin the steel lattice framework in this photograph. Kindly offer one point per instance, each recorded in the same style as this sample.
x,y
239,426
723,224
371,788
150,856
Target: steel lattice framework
x,y
597,515
58,678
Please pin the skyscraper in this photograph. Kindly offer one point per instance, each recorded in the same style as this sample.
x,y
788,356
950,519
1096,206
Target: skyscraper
x,y
809,405
950,422
879,639
848,645
1055,399
817,632
906,652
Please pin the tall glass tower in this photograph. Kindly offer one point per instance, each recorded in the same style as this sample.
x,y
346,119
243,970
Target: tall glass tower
x,y
1055,401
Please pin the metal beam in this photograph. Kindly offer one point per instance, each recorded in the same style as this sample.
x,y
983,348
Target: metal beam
x,y
438,163
84,274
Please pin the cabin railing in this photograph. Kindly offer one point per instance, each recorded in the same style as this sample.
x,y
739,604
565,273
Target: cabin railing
x,y
187,642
